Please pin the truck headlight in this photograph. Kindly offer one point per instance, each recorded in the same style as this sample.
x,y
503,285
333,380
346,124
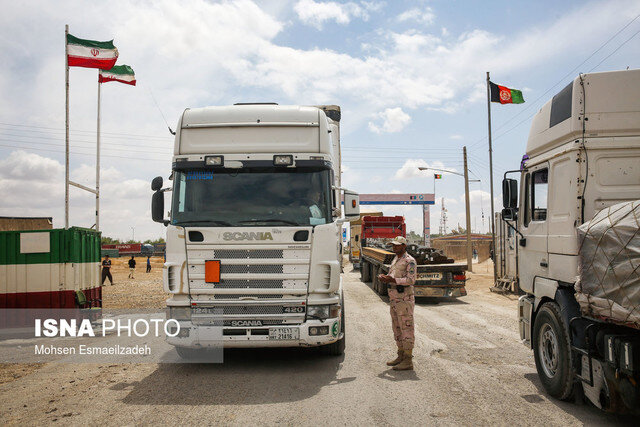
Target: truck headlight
x,y
180,313
323,311
283,160
214,160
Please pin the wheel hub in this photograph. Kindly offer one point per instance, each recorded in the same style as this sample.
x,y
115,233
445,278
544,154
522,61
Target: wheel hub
x,y
548,350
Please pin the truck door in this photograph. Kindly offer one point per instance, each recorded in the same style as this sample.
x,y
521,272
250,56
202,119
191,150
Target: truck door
x,y
534,256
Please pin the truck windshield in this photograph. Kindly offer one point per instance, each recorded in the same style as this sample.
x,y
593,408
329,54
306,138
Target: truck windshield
x,y
252,197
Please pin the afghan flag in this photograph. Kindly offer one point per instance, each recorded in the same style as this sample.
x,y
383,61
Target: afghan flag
x,y
90,53
437,176
119,73
504,95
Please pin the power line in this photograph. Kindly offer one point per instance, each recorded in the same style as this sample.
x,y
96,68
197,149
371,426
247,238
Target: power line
x,y
79,154
84,131
617,49
82,141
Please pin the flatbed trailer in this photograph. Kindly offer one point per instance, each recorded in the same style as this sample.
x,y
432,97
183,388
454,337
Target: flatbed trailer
x,y
434,280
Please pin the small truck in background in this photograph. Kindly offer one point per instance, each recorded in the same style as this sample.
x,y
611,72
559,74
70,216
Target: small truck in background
x,y
577,257
355,238
435,279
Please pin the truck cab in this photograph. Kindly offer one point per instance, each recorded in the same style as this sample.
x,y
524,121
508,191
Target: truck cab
x,y
254,231
582,156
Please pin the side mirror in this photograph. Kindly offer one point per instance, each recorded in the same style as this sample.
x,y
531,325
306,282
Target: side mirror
x,y
351,205
509,214
156,184
509,193
157,205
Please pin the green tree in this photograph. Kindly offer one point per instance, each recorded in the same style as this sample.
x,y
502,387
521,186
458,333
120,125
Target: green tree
x,y
106,240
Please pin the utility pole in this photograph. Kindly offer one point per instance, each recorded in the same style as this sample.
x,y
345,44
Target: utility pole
x,y
468,209
491,221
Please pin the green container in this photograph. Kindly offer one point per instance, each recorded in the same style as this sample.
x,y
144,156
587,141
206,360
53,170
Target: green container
x,y
75,245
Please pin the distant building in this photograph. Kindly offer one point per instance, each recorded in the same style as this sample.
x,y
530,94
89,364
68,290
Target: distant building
x,y
18,223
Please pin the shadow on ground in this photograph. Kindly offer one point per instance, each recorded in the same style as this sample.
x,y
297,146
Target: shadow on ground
x,y
247,376
578,407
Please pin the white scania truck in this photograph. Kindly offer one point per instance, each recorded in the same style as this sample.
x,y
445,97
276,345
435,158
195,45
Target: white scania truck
x,y
578,240
254,231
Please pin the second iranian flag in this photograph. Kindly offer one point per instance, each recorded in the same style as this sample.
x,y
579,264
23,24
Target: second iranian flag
x,y
119,73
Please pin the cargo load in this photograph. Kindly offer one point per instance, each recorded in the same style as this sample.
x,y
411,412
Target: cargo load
x,y
608,287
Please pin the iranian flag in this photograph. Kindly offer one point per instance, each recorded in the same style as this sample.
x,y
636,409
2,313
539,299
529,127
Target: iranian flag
x,y
119,73
90,53
504,95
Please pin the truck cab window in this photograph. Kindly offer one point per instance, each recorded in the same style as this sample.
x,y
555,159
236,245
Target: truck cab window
x,y
539,191
526,200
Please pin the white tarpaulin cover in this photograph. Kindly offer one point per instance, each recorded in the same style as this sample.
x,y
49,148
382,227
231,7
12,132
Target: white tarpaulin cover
x,y
608,285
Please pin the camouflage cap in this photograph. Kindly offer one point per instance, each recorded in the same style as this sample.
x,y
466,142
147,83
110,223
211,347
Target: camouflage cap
x,y
399,240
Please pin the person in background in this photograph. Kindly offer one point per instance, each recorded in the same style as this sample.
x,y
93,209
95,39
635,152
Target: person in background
x,y
132,267
106,270
148,264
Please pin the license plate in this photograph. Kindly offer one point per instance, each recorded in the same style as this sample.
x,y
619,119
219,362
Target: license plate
x,y
278,334
430,276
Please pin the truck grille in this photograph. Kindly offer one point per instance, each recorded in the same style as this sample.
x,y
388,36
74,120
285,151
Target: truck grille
x,y
258,268
247,253
251,309
249,284
237,296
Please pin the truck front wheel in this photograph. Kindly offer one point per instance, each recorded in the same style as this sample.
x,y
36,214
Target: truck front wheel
x,y
552,351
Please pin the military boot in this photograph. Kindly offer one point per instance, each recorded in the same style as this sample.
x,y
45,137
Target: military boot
x,y
397,359
407,362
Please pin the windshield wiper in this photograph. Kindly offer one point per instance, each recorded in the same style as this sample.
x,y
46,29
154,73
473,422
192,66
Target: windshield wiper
x,y
205,223
284,221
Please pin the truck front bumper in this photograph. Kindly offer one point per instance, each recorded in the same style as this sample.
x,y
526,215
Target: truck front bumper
x,y
440,291
202,336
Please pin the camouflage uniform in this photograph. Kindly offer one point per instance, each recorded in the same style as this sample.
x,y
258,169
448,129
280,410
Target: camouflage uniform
x,y
403,269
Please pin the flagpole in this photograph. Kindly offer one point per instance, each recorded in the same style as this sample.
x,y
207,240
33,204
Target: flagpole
x,y
98,161
66,150
493,232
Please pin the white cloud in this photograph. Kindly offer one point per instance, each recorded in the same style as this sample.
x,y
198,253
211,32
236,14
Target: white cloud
x,y
316,13
23,166
393,120
410,169
40,183
421,16
455,136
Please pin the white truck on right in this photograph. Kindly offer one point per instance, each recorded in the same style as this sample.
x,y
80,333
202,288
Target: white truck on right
x,y
577,224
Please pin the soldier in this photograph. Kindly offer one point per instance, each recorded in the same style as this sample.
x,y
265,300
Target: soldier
x,y
400,280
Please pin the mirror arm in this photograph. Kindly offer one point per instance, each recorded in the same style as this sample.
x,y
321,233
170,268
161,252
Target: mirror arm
x,y
513,228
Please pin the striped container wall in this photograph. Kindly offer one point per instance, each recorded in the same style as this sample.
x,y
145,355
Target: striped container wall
x,y
45,268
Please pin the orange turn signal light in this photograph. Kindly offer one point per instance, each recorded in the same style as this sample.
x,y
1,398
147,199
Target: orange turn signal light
x,y
212,271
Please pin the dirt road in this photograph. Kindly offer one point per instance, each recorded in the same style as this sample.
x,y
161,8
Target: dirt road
x,y
470,369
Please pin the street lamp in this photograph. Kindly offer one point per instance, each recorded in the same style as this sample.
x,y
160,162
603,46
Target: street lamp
x,y
466,199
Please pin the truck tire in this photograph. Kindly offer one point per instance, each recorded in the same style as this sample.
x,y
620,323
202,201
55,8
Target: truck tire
x,y
365,271
375,270
337,348
382,289
552,351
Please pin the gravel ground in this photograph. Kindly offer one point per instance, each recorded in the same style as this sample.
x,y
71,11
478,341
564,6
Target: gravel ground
x,y
470,368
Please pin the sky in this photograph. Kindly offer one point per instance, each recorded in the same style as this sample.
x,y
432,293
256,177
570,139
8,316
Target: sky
x,y
410,77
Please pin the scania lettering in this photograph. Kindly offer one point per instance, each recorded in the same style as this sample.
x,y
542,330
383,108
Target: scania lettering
x,y
253,232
